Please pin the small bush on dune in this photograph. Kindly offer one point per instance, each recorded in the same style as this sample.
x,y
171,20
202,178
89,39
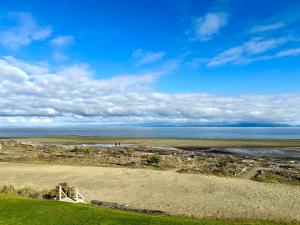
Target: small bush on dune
x,y
222,163
23,191
154,159
33,193
9,189
76,149
30,192
53,193
81,150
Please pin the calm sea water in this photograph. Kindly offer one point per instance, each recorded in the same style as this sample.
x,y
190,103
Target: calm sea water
x,y
176,132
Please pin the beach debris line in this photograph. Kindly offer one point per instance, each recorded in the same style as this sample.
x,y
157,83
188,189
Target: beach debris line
x,y
114,205
202,160
238,172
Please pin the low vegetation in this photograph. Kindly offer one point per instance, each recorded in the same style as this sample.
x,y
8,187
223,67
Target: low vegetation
x,y
24,211
24,191
221,163
27,191
278,176
77,149
54,193
154,159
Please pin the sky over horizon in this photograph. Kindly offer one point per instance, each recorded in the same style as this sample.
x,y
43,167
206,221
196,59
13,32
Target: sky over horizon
x,y
118,62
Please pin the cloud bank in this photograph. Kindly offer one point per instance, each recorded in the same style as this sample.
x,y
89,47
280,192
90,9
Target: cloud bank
x,y
36,94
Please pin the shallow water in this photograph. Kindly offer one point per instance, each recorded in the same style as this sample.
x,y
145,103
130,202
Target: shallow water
x,y
277,153
176,132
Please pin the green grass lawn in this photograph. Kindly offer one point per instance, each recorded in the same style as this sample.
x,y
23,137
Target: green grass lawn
x,y
20,211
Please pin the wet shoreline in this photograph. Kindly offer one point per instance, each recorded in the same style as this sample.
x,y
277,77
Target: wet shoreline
x,y
275,153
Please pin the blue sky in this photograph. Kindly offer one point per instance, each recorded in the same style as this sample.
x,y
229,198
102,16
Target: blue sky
x,y
149,61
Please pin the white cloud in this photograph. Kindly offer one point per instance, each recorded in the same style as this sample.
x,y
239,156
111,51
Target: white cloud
x,y
241,53
11,73
72,95
227,56
267,27
62,41
210,24
24,32
33,69
289,52
283,19
259,45
147,57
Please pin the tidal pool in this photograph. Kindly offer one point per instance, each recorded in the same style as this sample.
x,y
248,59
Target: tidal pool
x,y
278,153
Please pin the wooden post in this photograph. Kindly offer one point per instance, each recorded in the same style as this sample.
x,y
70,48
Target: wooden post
x,y
59,193
76,194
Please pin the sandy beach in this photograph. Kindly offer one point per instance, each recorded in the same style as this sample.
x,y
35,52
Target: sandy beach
x,y
184,194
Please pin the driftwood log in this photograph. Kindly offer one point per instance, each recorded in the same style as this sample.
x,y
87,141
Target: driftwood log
x,y
114,205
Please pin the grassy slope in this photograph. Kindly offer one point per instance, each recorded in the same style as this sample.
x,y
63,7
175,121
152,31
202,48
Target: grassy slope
x,y
23,211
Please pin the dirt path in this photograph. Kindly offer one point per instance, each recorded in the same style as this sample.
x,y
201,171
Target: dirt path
x,y
175,193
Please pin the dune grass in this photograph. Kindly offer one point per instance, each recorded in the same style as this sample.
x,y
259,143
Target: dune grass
x,y
15,210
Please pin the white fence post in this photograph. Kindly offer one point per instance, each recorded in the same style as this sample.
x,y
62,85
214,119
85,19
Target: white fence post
x,y
59,193
76,194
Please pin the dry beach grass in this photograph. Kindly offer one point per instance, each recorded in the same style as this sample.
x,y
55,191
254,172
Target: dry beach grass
x,y
186,194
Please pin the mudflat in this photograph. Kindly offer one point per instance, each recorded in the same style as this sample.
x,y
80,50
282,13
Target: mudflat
x,y
167,142
175,193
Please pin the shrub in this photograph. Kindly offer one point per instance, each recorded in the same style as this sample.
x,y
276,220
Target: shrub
x,y
81,150
24,191
154,159
9,189
76,149
54,193
222,163
30,192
